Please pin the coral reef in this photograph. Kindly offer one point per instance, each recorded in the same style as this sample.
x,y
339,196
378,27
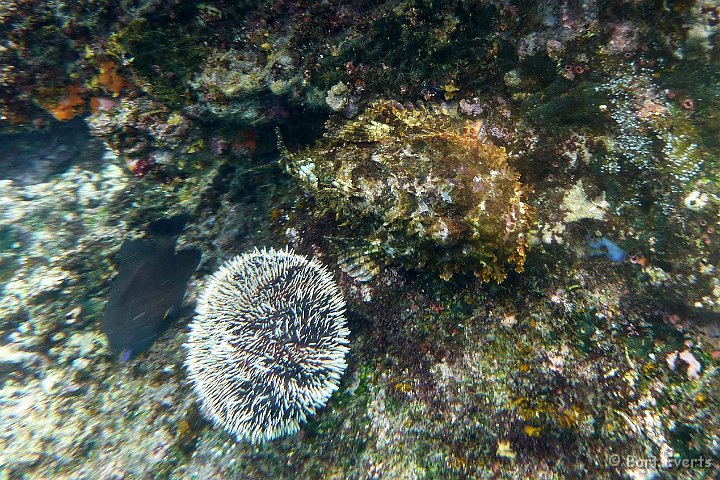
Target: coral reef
x,y
422,188
599,119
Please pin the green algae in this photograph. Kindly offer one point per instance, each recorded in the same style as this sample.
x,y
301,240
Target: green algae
x,y
697,79
164,56
455,43
564,104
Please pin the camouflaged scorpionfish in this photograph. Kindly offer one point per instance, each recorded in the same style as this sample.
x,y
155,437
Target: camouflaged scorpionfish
x,y
421,189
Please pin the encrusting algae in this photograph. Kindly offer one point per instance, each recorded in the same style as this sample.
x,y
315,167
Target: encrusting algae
x,y
422,187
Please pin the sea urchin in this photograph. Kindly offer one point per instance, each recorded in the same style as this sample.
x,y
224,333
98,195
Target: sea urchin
x,y
267,346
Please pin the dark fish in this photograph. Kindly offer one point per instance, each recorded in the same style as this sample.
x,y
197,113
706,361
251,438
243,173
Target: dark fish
x,y
146,296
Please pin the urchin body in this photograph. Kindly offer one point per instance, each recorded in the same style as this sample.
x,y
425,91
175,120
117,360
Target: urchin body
x,y
267,346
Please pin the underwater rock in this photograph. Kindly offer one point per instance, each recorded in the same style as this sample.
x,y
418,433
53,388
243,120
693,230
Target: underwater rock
x,y
337,97
148,134
34,157
418,185
148,291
